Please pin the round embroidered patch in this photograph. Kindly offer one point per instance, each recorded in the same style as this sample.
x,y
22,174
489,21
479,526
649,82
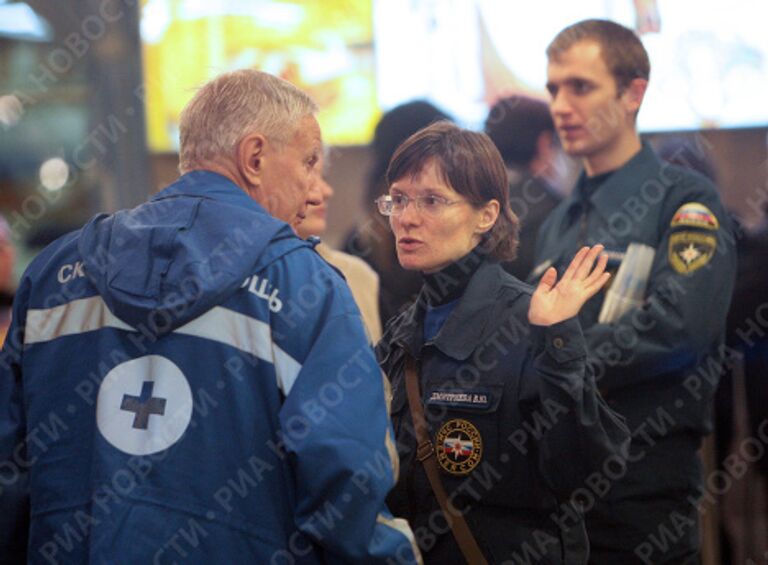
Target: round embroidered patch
x,y
459,447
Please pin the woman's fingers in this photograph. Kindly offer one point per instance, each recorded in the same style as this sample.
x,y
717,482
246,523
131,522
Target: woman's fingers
x,y
598,271
570,272
548,280
585,268
595,287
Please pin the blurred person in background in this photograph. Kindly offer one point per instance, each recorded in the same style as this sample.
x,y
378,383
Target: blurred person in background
x,y
7,279
742,414
688,153
523,132
741,401
361,278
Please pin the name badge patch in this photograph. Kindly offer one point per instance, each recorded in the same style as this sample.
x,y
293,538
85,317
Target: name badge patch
x,y
461,399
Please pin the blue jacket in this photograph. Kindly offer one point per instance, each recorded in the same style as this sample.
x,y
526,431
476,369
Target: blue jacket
x,y
188,381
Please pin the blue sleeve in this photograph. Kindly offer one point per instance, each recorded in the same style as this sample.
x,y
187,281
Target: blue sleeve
x,y
340,443
14,465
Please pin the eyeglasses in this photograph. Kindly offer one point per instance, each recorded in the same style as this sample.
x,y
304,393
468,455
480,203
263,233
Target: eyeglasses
x,y
395,204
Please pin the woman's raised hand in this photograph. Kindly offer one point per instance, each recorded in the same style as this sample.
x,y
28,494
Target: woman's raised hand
x,y
555,301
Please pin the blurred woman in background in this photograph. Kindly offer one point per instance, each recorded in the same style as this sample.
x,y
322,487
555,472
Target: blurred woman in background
x,y
362,279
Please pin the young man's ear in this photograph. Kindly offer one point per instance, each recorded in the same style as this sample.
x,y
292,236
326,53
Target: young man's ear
x,y
633,94
488,215
250,157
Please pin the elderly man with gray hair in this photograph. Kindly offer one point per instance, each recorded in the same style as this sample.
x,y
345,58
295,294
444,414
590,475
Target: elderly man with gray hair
x,y
188,380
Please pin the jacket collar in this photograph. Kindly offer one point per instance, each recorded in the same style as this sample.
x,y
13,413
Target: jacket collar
x,y
623,183
210,185
469,323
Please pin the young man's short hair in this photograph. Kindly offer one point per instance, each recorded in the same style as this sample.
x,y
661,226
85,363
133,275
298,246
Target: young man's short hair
x,y
623,52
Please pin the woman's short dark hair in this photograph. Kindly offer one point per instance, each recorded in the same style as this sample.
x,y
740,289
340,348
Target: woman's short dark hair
x,y
469,163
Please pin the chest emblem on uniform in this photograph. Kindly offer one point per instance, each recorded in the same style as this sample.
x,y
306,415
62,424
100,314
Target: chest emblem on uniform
x,y
459,447
689,251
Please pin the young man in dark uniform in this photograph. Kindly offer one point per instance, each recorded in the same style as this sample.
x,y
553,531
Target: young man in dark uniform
x,y
658,363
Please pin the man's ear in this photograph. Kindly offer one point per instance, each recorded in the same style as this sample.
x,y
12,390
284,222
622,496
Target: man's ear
x,y
633,95
488,215
250,157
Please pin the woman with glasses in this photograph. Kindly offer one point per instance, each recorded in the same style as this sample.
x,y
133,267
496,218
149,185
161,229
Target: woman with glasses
x,y
501,431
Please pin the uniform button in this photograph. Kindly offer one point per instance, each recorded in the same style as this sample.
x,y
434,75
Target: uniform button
x,y
558,342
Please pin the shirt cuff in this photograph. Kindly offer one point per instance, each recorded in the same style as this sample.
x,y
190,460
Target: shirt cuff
x,y
564,341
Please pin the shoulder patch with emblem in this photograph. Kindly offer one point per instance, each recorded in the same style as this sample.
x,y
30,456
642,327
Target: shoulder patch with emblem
x,y
695,215
459,447
691,250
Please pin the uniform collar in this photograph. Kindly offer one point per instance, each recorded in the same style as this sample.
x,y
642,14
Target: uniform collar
x,y
469,323
207,184
448,284
611,196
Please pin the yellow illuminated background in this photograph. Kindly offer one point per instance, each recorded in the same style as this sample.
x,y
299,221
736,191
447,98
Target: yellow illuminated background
x,y
325,48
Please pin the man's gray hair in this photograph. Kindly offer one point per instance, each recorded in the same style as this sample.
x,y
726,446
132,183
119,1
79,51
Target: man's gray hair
x,y
234,105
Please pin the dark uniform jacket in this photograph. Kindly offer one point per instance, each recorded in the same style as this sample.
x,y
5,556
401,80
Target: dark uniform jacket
x,y
515,419
658,365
